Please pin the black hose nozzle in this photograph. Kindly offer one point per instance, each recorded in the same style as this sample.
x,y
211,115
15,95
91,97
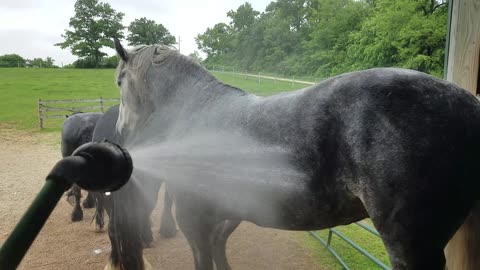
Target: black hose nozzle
x,y
101,167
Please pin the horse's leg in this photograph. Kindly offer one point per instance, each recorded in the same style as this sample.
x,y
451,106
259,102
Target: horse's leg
x,y
415,226
218,240
99,211
168,228
114,261
125,229
146,227
197,229
151,199
77,213
111,266
89,201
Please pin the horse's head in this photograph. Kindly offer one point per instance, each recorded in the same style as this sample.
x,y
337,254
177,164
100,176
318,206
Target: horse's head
x,y
143,75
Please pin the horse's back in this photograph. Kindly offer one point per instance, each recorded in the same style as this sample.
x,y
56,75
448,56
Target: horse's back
x,y
380,134
409,116
105,128
77,130
404,128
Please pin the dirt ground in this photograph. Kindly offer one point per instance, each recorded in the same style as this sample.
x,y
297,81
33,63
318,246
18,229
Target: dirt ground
x,y
25,160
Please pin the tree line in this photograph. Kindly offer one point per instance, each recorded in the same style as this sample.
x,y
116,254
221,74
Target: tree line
x,y
327,37
95,24
92,28
15,60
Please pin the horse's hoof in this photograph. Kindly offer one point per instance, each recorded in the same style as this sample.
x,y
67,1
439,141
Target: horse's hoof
x,y
168,231
77,215
99,228
147,265
110,266
149,244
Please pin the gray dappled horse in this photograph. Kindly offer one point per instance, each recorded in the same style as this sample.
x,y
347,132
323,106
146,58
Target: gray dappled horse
x,y
81,128
398,146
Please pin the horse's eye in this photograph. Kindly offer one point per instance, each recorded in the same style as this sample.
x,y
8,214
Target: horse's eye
x,y
120,77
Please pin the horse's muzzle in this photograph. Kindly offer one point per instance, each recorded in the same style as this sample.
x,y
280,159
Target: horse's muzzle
x,y
100,167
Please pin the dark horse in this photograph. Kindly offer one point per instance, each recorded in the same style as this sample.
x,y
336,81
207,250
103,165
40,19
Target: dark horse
x,y
81,128
395,145
105,130
78,129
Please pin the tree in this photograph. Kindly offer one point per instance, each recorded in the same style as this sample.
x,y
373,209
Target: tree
x,y
143,31
196,56
110,62
284,22
328,37
12,60
40,63
93,26
215,41
331,24
49,62
402,33
244,17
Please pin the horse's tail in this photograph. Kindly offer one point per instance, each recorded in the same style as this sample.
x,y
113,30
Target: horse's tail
x,y
462,252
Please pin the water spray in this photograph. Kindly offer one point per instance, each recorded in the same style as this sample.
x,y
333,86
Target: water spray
x,y
100,167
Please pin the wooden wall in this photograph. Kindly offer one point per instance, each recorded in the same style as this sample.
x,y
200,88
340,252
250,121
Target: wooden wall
x,y
464,51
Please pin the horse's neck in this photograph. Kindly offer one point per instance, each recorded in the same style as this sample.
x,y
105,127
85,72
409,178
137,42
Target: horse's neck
x,y
197,93
198,105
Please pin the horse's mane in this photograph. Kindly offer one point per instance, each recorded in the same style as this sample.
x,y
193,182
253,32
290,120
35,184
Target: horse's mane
x,y
142,57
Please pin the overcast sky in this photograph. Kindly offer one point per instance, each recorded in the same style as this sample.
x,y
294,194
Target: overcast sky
x,y
31,27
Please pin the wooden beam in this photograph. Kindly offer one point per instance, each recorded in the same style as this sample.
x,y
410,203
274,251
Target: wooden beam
x,y
464,51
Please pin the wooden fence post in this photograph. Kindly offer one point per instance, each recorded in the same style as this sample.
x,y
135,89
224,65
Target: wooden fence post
x,y
40,116
101,105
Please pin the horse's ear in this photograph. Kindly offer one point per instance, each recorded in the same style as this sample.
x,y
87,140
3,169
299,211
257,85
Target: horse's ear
x,y
161,53
122,53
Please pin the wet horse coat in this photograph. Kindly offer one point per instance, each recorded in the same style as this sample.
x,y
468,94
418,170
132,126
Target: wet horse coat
x,y
394,145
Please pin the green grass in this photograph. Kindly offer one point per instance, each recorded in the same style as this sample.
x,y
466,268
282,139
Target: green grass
x,y
21,88
257,86
353,258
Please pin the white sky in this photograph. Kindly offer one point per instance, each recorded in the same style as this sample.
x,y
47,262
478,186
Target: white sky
x,y
31,27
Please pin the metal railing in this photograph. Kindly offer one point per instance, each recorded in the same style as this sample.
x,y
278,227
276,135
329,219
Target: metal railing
x,y
333,231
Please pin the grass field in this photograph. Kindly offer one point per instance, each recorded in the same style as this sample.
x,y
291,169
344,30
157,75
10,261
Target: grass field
x,y
355,260
21,88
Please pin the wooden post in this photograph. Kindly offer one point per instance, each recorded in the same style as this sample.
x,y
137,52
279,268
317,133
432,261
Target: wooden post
x,y
464,48
101,105
462,69
40,116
